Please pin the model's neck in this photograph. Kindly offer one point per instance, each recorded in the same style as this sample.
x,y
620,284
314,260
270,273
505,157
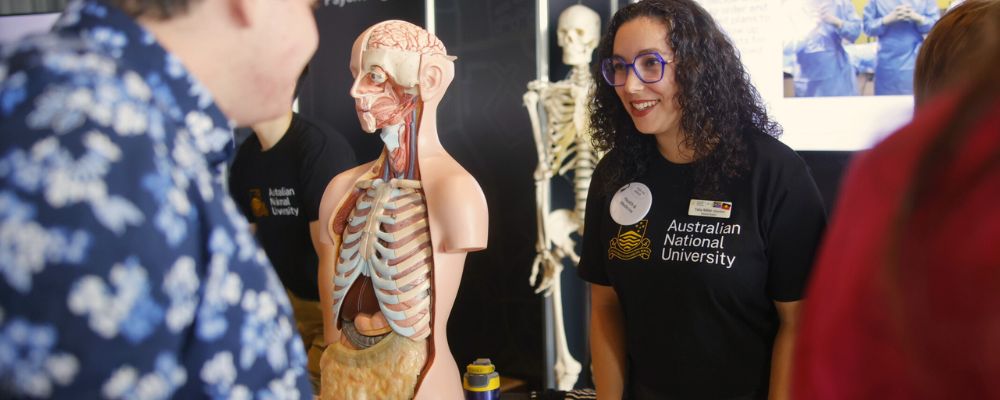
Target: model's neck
x,y
401,146
271,131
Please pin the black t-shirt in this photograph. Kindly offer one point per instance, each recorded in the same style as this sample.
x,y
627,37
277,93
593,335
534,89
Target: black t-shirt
x,y
280,190
697,279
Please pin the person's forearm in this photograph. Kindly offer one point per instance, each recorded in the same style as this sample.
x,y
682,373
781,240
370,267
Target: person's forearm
x,y
607,349
781,362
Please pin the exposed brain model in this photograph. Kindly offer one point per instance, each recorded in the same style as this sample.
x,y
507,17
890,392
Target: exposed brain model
x,y
402,226
400,35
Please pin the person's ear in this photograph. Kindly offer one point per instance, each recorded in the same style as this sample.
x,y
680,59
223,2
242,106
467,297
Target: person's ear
x,y
436,72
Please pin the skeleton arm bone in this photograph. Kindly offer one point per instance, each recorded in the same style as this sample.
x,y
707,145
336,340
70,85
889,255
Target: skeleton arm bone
x,y
531,100
545,258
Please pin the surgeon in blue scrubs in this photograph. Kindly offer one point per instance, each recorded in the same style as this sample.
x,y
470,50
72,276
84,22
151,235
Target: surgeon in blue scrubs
x,y
900,26
824,68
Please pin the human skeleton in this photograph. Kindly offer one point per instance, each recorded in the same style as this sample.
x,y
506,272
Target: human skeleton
x,y
559,123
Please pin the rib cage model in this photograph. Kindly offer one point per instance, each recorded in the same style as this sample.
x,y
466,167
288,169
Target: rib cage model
x,y
386,239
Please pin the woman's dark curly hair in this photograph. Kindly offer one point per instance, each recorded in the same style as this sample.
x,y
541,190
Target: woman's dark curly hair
x,y
718,104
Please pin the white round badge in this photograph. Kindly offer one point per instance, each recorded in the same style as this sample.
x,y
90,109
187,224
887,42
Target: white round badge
x,y
631,203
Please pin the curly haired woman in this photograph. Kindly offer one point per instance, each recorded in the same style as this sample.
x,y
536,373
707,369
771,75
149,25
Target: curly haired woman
x,y
701,226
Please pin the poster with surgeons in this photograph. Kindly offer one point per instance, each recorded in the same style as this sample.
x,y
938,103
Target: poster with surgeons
x,y
846,66
853,48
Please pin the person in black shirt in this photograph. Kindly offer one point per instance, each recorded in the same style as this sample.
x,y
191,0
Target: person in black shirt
x,y
701,227
278,178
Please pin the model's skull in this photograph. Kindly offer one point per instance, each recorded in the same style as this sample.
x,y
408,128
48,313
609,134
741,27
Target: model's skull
x,y
578,32
385,61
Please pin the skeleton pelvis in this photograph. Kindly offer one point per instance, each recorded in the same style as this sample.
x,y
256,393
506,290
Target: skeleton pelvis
x,y
389,369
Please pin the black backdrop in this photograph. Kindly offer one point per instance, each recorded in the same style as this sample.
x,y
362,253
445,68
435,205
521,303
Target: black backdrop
x,y
324,93
484,125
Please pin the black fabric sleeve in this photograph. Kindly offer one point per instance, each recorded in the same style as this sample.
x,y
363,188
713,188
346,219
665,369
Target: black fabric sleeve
x,y
593,254
796,228
329,156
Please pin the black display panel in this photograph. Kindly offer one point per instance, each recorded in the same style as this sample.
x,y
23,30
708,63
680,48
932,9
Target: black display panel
x,y
324,92
484,125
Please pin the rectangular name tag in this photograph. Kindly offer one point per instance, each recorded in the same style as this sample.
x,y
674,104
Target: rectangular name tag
x,y
710,208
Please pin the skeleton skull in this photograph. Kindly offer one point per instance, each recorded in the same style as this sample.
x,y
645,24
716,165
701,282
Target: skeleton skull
x,y
578,32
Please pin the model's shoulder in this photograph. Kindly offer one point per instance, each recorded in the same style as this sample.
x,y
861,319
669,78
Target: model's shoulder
x,y
445,176
351,175
457,203
451,180
441,167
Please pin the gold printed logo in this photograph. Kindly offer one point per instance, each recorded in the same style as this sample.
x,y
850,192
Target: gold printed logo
x,y
631,243
257,205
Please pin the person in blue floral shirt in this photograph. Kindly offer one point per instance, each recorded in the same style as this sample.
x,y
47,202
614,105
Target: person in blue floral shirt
x,y
126,271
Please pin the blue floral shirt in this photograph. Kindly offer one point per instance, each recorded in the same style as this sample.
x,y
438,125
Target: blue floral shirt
x,y
126,271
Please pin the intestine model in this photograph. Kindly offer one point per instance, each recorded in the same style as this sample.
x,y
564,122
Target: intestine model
x,y
559,123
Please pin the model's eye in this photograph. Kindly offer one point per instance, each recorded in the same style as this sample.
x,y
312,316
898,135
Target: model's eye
x,y
377,76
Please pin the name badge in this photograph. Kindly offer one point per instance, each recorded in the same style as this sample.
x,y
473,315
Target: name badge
x,y
631,203
710,208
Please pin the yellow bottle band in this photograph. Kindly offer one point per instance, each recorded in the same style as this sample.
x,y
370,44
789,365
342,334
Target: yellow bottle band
x,y
480,369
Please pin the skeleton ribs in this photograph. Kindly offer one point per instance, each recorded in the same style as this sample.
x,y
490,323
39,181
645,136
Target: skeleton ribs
x,y
568,144
387,241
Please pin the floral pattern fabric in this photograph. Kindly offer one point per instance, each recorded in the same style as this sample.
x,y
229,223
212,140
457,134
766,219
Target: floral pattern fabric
x,y
126,271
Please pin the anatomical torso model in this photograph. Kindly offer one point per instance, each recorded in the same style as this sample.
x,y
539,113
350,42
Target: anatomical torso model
x,y
401,225
559,121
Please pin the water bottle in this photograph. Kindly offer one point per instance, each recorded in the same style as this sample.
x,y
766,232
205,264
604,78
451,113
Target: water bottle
x,y
481,381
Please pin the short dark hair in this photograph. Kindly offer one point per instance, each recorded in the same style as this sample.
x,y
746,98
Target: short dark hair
x,y
157,9
719,106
